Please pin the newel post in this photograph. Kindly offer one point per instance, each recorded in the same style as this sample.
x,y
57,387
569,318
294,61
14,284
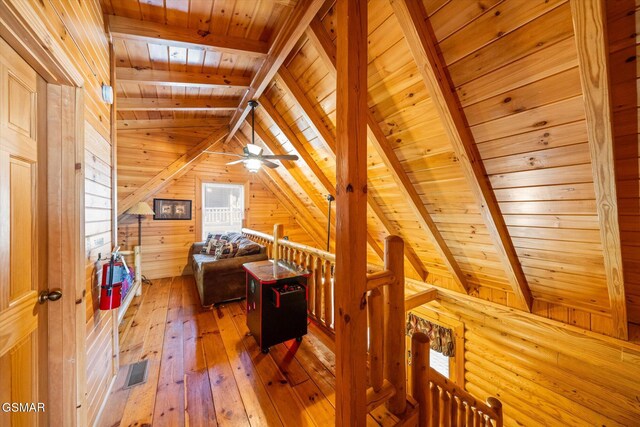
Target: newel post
x,y
278,231
496,405
420,376
395,344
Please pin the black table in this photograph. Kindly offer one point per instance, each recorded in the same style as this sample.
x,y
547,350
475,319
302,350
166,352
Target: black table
x,y
276,303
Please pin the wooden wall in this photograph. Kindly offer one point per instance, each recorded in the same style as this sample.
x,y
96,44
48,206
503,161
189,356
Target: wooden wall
x,y
79,28
166,244
623,27
544,372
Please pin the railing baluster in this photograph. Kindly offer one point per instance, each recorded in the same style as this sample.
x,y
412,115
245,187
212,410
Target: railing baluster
x,y
319,289
375,307
435,404
311,285
327,291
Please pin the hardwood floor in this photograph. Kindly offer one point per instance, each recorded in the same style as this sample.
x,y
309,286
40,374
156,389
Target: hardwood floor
x,y
204,370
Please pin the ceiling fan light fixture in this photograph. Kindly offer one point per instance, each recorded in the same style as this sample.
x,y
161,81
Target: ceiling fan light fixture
x,y
253,165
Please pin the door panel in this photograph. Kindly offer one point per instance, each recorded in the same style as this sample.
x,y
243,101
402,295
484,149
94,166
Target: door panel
x,y
19,308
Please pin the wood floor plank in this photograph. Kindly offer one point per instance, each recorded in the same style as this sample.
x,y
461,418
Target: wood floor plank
x,y
199,410
257,404
141,401
169,406
224,389
291,410
290,367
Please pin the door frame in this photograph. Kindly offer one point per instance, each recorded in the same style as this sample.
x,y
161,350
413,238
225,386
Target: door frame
x,y
22,28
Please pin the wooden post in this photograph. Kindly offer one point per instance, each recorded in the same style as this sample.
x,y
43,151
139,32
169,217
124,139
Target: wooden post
x,y
496,405
351,219
420,376
278,230
395,342
376,338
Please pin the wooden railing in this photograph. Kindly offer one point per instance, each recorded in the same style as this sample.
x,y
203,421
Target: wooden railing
x,y
443,403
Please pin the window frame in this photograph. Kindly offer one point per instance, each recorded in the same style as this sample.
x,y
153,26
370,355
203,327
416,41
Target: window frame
x,y
200,202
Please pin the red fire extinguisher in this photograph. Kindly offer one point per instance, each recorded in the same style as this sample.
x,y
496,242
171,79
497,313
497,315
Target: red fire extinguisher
x,y
110,294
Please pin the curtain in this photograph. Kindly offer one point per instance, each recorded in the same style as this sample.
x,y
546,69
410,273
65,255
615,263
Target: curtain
x,y
441,339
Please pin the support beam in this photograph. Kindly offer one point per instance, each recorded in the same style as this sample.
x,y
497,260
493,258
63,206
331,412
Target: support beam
x,y
351,251
211,122
181,104
271,111
420,298
177,167
318,35
314,120
179,78
419,36
190,38
291,31
589,23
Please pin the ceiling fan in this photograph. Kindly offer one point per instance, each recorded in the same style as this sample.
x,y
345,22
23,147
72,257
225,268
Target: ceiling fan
x,y
253,158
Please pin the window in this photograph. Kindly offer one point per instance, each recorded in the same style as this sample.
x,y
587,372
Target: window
x,y
439,362
222,208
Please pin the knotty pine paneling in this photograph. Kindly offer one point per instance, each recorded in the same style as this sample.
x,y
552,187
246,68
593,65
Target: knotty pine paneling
x,y
166,244
623,27
543,372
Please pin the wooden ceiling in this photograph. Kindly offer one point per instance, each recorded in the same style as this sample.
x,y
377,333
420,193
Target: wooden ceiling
x,y
491,138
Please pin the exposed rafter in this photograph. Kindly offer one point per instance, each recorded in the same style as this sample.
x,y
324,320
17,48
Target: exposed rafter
x,y
179,78
419,36
318,35
285,195
589,19
293,28
211,122
180,104
271,111
315,122
177,168
168,35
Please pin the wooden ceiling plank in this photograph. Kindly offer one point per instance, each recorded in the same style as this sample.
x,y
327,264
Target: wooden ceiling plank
x,y
177,104
327,50
190,38
179,78
589,22
271,111
179,166
314,120
415,26
299,19
210,122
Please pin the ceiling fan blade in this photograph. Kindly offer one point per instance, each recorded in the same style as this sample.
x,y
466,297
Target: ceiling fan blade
x,y
223,153
281,157
235,162
269,164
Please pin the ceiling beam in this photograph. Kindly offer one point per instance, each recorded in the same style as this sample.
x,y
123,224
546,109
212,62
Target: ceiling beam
x,y
419,36
314,120
327,50
179,104
190,38
270,110
589,23
287,37
211,122
285,196
150,77
177,167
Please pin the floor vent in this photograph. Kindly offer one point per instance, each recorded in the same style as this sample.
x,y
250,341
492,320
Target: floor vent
x,y
137,374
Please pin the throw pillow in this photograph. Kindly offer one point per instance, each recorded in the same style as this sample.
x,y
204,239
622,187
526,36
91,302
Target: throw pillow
x,y
225,250
247,247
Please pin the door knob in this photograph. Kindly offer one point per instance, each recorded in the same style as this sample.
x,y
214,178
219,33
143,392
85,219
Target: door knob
x,y
45,296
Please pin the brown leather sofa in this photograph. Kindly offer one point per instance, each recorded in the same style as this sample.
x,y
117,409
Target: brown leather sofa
x,y
223,279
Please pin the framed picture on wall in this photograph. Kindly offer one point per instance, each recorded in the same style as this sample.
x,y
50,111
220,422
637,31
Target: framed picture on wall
x,y
171,209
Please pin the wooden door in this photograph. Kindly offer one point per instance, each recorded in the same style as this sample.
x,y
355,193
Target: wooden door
x,y
20,345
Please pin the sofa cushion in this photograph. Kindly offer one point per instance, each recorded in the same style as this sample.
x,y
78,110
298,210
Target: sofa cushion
x,y
247,247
